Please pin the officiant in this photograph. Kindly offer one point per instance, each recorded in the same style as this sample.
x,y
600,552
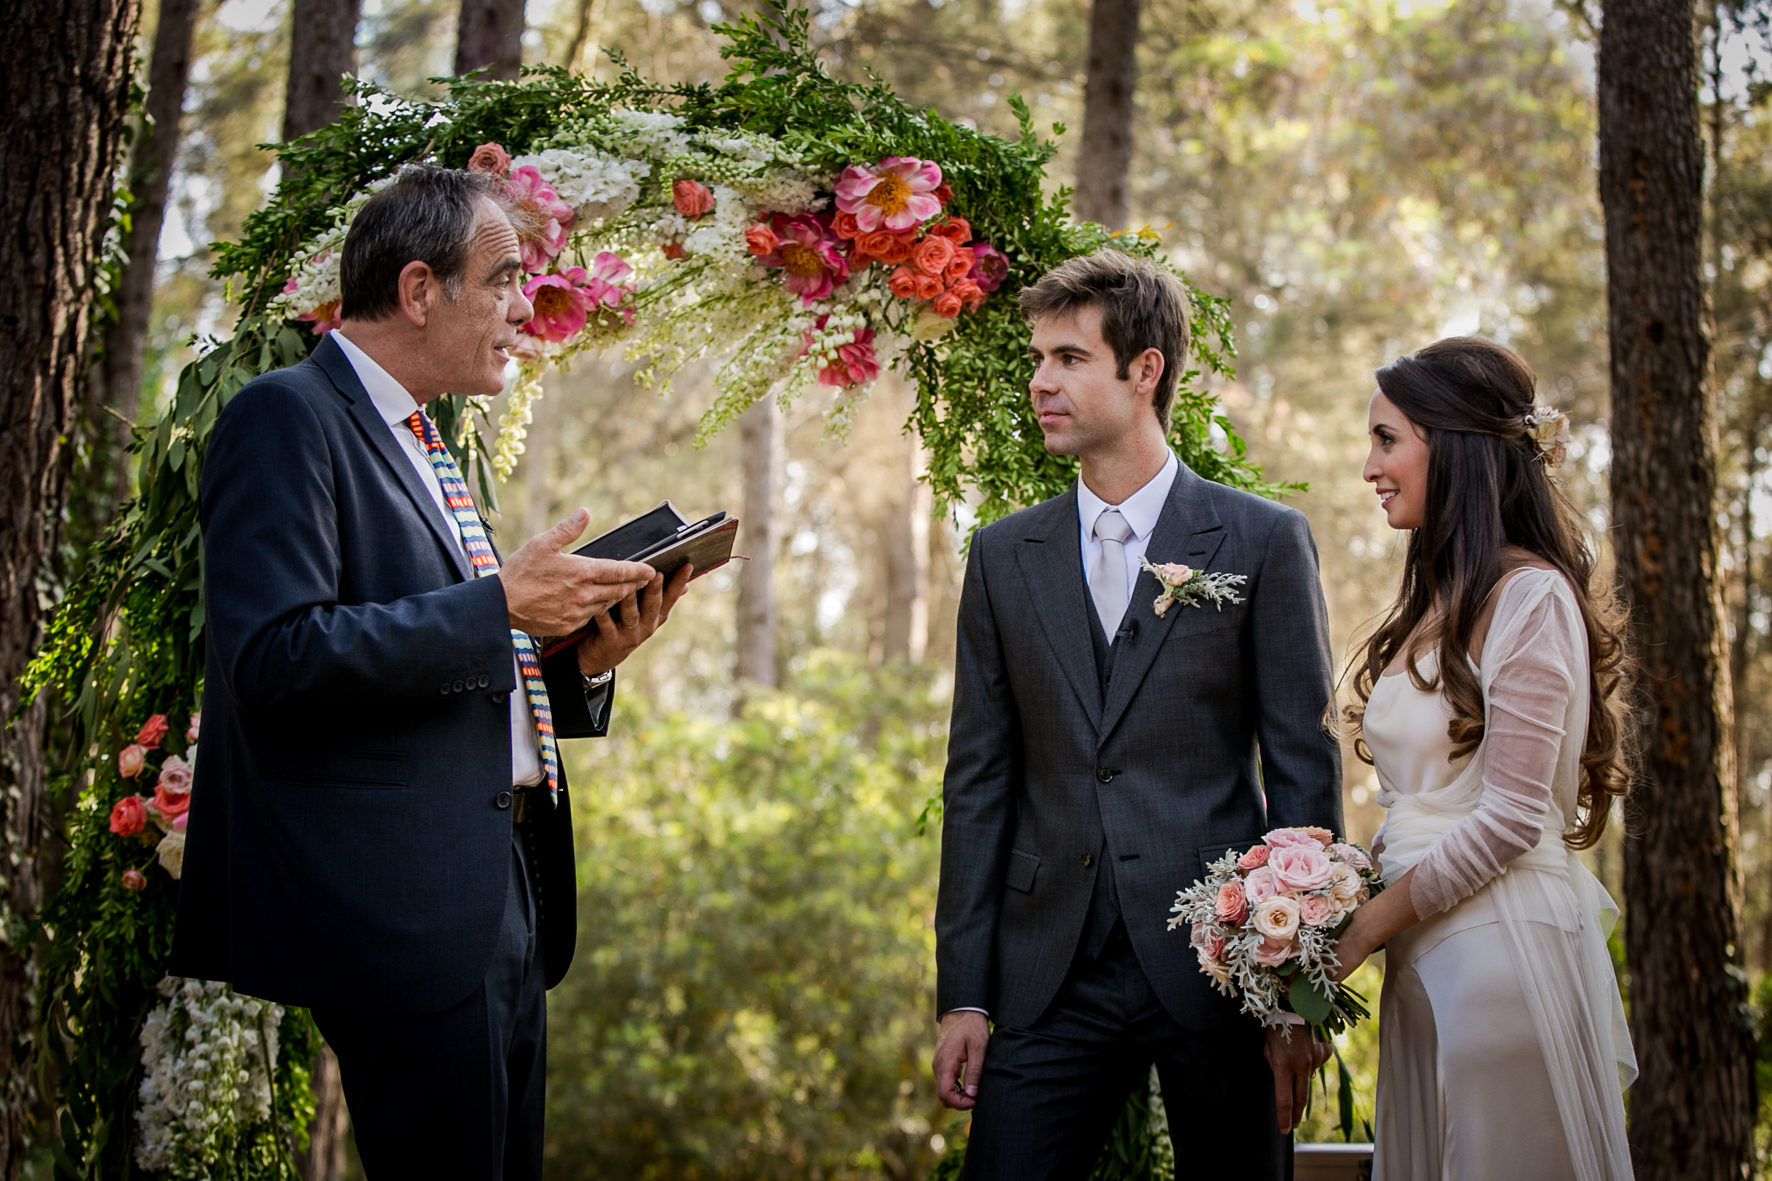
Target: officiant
x,y
380,828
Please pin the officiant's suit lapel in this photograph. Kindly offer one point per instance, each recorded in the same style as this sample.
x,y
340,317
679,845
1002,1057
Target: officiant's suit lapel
x,y
337,367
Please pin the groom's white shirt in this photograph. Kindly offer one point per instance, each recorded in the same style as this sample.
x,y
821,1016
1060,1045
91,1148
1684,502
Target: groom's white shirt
x,y
1140,511
395,405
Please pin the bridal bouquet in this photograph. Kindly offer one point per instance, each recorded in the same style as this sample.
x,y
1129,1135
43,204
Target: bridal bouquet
x,y
1265,921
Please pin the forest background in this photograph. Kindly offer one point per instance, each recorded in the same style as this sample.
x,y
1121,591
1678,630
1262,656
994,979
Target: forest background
x,y
753,995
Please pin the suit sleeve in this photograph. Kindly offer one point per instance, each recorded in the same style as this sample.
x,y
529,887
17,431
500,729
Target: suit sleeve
x,y
578,712
272,572
1300,759
978,801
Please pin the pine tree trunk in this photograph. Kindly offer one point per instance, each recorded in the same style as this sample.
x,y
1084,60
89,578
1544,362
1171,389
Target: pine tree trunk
x,y
116,379
757,428
1104,160
490,33
322,49
324,1159
65,69
1692,1107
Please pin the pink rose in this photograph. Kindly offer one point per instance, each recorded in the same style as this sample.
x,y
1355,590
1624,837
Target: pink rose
x,y
948,305
1260,885
1352,854
134,879
170,805
1255,858
1277,918
692,198
1299,868
490,158
1322,836
152,731
175,777
129,816
129,760
1314,910
191,731
1232,905
1176,573
1281,838
760,239
1274,952
1213,967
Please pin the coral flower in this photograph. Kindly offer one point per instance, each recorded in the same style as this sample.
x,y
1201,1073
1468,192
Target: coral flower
x,y
129,816
845,226
888,247
903,283
129,760
895,194
692,198
170,804
152,731
928,286
807,253
959,267
540,206
955,229
948,305
969,293
932,256
991,268
760,239
490,158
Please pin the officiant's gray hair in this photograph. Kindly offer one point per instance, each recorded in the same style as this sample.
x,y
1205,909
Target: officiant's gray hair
x,y
427,215
1143,306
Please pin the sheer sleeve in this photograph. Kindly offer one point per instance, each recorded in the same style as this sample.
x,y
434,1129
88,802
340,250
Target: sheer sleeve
x,y
1530,686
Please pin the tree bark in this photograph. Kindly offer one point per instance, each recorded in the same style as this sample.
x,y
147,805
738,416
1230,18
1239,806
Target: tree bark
x,y
757,428
1692,1107
322,49
490,33
1104,160
324,1159
65,69
116,379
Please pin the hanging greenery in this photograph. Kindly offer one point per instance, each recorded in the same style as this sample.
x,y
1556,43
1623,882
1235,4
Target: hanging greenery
x,y
801,230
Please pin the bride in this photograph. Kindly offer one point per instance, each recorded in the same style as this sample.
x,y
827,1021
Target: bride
x,y
1491,707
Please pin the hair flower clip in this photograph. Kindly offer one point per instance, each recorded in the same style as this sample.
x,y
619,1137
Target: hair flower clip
x,y
1548,428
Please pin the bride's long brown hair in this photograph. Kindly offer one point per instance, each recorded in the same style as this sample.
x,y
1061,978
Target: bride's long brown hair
x,y
1487,488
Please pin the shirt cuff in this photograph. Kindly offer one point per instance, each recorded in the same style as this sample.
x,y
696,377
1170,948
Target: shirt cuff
x,y
966,1009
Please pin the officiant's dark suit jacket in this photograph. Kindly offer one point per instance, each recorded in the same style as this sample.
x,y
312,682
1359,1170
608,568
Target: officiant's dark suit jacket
x,y
1208,732
350,833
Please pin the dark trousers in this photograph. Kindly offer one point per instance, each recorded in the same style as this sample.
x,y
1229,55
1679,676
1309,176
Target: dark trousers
x,y
456,1094
1050,1093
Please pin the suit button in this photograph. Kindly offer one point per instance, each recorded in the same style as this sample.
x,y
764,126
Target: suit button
x,y
444,688
1088,860
499,697
459,686
1105,774
483,681
502,799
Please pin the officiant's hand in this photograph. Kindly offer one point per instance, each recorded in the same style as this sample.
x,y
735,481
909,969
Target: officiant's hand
x,y
959,1058
1293,1061
548,593
613,640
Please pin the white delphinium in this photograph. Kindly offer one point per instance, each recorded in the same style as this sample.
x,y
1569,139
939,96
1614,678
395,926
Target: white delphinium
x,y
315,271
595,185
207,1058
651,134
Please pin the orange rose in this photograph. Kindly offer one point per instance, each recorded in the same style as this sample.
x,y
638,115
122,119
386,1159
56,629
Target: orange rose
x,y
947,304
956,230
932,256
959,267
845,226
880,244
969,293
903,283
928,286
760,239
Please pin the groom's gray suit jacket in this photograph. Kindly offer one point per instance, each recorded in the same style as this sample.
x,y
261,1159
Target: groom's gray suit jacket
x,y
1057,775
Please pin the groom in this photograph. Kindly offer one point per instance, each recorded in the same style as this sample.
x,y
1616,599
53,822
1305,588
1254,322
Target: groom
x,y
379,828
1102,755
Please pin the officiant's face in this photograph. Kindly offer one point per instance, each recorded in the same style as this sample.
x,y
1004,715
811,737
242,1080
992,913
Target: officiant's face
x,y
1079,397
474,330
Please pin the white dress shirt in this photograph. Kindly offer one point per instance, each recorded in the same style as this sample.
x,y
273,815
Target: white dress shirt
x,y
395,406
1140,511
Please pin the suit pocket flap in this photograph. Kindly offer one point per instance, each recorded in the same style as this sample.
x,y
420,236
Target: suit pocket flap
x,y
1022,867
1211,853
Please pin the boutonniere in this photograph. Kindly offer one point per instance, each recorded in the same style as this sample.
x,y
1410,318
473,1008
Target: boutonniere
x,y
1190,587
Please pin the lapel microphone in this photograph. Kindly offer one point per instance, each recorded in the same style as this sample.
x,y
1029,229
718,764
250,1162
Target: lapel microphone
x,y
1128,631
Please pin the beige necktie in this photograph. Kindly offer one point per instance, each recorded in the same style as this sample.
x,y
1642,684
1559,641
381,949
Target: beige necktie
x,y
1107,581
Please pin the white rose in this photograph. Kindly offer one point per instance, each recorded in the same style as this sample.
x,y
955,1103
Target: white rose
x,y
172,853
1345,884
1277,917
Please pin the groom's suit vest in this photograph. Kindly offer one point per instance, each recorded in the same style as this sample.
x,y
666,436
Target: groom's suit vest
x,y
1087,783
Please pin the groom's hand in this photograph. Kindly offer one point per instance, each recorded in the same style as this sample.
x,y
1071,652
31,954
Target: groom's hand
x,y
959,1058
1293,1062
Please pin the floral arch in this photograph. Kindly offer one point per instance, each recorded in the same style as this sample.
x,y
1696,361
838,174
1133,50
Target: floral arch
x,y
799,229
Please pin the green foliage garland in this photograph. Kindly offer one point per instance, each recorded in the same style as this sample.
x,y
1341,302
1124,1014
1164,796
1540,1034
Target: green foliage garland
x,y
127,640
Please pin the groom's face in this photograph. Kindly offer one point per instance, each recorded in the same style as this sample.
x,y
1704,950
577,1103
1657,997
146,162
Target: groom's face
x,y
1079,397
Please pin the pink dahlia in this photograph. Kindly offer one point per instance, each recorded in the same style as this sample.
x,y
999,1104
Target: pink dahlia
x,y
896,194
544,207
808,253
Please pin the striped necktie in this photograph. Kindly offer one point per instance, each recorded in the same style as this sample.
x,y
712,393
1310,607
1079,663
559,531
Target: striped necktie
x,y
484,562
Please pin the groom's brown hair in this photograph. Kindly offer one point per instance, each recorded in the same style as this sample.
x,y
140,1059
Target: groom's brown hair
x,y
1143,306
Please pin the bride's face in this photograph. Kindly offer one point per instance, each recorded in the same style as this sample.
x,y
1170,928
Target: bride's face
x,y
1396,467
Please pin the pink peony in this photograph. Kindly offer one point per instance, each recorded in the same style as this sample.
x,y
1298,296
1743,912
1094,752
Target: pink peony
x,y
191,730
323,318
1314,910
807,252
543,204
152,731
1272,953
692,198
1255,858
490,158
1300,868
991,268
1231,905
1352,854
565,301
130,759
175,777
129,816
895,194
1282,838
760,239
1260,885
134,879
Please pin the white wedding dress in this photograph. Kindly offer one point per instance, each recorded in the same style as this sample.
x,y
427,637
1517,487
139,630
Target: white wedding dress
x,y
1503,1049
